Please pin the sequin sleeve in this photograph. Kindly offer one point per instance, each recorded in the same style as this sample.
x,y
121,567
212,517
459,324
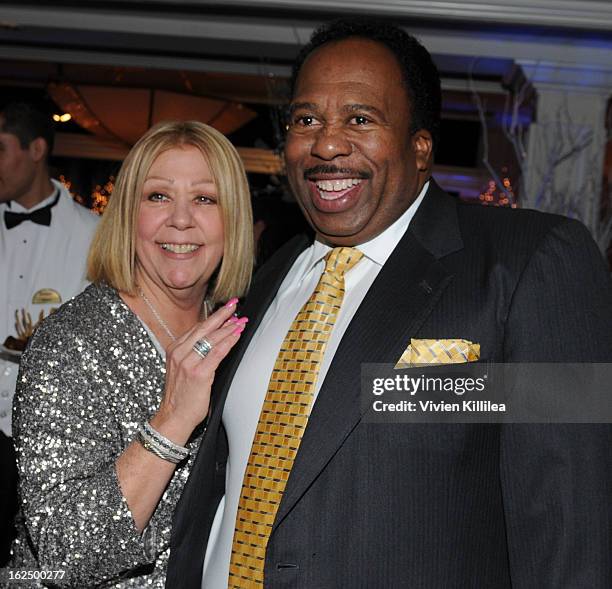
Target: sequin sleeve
x,y
68,438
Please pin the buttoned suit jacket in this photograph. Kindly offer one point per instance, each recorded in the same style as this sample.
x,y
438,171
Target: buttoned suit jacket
x,y
437,505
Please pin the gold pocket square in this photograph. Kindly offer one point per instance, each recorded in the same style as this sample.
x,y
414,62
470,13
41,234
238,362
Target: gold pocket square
x,y
425,352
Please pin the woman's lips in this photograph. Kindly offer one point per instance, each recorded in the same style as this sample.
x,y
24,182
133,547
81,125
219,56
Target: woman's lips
x,y
180,248
180,251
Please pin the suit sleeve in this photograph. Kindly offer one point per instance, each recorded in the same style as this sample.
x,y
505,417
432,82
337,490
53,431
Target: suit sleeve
x,y
557,478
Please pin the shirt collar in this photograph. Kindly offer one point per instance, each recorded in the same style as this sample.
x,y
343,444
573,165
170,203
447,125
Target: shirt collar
x,y
15,207
380,247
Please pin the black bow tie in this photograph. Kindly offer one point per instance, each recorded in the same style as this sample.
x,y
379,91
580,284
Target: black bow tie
x,y
40,216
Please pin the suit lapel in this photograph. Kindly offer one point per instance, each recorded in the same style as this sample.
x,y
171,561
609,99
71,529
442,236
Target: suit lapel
x,y
400,299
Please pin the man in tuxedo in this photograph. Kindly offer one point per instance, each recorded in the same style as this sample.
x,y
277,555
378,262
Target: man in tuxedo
x,y
44,239
313,494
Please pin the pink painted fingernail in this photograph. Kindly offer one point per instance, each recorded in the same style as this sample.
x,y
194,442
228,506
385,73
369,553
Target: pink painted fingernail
x,y
243,320
231,302
238,330
230,321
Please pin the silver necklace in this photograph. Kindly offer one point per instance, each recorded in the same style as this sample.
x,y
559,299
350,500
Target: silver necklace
x,y
157,315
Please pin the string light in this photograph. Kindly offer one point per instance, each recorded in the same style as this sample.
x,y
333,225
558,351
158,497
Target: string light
x,y
98,198
499,198
101,194
64,118
68,185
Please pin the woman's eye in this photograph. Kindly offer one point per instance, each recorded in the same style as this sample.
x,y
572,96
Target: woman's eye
x,y
157,197
207,200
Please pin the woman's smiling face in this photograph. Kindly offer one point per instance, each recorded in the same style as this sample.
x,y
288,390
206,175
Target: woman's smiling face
x,y
179,234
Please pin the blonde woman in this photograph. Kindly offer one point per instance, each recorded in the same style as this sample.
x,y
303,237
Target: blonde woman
x,y
115,386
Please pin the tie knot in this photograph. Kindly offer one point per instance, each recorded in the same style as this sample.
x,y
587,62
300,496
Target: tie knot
x,y
341,259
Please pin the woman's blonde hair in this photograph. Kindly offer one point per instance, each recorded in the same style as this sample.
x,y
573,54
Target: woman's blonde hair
x,y
112,255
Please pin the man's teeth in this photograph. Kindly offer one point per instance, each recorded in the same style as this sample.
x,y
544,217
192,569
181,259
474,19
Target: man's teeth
x,y
180,248
337,185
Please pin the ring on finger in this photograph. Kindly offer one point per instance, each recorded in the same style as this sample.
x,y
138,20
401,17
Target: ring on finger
x,y
202,347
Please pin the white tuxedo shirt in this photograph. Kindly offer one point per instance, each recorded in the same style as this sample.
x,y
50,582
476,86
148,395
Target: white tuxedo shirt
x,y
40,268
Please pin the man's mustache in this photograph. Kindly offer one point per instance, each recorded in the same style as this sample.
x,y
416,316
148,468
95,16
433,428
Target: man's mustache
x,y
327,169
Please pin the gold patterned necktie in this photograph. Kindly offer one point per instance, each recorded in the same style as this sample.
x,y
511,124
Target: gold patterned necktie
x,y
283,419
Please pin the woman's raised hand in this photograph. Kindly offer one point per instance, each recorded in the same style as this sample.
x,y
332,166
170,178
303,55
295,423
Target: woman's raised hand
x,y
189,374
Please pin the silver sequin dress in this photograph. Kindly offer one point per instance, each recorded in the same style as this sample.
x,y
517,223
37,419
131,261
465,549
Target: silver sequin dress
x,y
89,379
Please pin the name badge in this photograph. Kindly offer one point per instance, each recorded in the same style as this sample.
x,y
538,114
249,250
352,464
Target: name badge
x,y
46,296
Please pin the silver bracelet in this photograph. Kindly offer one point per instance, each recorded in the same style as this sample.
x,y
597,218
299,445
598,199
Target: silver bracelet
x,y
154,450
161,446
152,446
165,442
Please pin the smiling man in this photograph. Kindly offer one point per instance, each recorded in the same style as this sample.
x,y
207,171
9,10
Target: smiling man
x,y
354,159
293,486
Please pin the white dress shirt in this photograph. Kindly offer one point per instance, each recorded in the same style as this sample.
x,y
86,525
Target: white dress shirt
x,y
249,386
40,268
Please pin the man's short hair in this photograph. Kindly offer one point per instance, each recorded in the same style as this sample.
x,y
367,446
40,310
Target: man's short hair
x,y
420,74
27,123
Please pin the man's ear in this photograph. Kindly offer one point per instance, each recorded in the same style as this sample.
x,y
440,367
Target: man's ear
x,y
38,149
422,143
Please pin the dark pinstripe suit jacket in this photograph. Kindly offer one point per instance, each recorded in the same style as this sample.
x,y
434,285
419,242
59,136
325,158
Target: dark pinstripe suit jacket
x,y
431,505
